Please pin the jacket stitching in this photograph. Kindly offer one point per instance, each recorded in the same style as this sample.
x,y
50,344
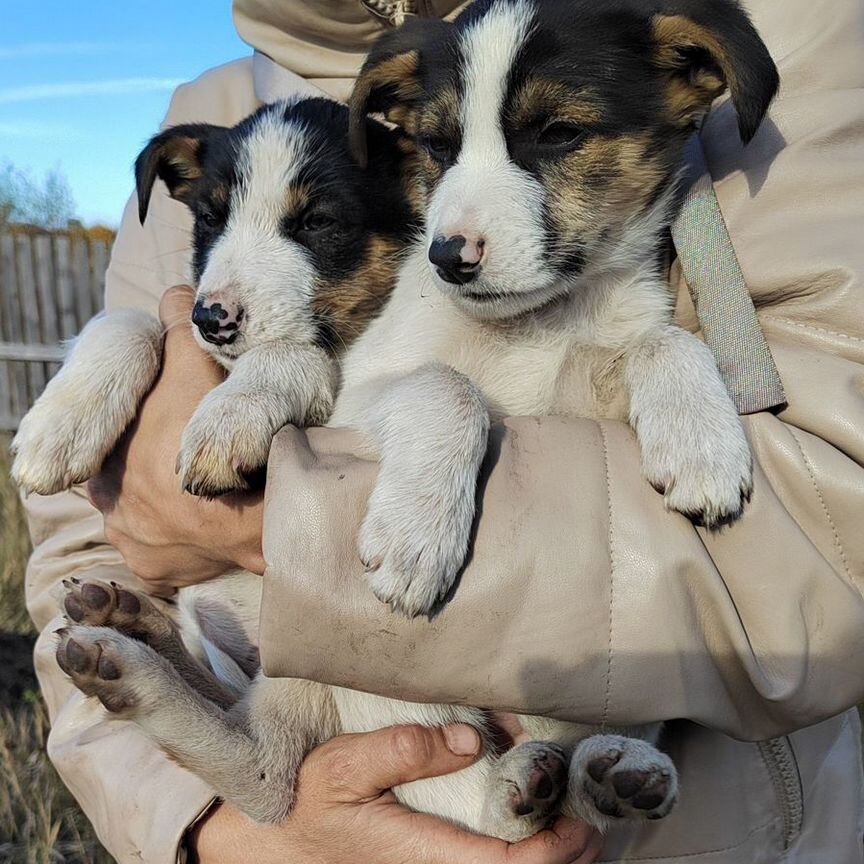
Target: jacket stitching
x,y
672,858
837,543
611,544
805,326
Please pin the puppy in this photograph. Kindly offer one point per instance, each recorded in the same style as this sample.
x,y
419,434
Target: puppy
x,y
295,250
551,138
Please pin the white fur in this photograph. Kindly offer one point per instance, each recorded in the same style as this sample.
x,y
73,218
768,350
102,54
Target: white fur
x,y
484,194
252,264
85,408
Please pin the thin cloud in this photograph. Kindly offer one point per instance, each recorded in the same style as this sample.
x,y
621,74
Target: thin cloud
x,y
71,89
55,49
36,130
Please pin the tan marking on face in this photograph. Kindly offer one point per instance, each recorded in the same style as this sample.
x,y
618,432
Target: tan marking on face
x,y
439,118
182,154
297,199
350,304
543,98
219,194
594,190
689,93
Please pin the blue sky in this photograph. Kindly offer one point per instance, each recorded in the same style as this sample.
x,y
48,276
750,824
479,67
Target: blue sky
x,y
83,84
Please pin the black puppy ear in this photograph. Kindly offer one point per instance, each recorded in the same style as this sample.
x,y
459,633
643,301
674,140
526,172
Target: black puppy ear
x,y
389,82
174,156
707,47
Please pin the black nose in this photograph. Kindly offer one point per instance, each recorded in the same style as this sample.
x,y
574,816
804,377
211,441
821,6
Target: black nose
x,y
215,323
446,253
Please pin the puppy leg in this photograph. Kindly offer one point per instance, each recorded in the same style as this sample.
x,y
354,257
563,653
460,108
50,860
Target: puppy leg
x,y
132,613
249,755
431,427
229,435
86,407
693,445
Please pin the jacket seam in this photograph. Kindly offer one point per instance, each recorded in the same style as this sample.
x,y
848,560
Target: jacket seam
x,y
805,326
612,566
672,858
838,545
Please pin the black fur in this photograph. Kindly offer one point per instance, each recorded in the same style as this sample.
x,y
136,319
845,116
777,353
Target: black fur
x,y
605,47
359,201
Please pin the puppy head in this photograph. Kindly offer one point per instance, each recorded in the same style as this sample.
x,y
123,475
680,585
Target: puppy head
x,y
551,133
293,239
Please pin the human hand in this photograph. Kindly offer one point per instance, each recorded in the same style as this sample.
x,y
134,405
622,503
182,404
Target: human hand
x,y
168,537
345,812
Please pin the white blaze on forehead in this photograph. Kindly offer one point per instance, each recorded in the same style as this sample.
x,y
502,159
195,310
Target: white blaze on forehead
x,y
252,263
489,49
269,161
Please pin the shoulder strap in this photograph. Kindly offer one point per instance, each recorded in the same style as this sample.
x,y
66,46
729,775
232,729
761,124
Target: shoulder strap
x,y
723,304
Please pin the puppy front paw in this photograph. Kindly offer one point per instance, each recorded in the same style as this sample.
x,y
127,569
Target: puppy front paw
x,y
59,443
709,489
706,477
226,440
414,540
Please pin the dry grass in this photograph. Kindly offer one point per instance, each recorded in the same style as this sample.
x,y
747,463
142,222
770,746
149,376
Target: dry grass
x,y
39,821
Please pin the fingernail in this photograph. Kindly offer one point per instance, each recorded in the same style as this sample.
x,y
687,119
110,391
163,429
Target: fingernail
x,y
462,740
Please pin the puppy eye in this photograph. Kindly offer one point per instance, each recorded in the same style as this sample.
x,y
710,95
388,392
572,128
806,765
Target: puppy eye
x,y
317,222
208,217
565,136
438,148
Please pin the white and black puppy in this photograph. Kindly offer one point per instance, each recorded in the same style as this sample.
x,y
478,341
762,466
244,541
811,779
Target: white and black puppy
x,y
295,250
551,136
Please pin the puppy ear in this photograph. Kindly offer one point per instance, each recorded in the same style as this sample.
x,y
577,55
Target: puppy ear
x,y
174,156
390,81
706,48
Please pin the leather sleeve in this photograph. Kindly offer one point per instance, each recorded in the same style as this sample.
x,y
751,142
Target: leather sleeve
x,y
139,801
583,597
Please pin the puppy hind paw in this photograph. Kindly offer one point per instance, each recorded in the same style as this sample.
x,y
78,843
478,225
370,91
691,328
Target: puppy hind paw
x,y
526,789
93,603
94,659
622,778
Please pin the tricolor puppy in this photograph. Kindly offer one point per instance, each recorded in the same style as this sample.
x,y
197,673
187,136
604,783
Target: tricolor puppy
x,y
295,250
551,137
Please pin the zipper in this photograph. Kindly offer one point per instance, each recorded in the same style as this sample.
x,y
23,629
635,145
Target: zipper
x,y
779,759
394,12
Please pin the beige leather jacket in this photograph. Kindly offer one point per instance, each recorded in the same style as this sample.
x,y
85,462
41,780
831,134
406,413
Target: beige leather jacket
x,y
584,598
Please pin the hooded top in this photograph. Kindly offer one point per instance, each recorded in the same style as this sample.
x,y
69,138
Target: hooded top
x,y
320,39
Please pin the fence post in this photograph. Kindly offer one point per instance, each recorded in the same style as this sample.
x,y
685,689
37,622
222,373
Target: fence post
x,y
51,284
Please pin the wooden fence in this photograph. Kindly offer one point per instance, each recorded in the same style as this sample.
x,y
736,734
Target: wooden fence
x,y
51,284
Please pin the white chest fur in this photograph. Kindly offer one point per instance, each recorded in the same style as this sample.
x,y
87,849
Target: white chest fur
x,y
562,360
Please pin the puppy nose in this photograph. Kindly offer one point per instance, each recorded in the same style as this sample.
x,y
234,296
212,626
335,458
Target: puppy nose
x,y
217,322
458,259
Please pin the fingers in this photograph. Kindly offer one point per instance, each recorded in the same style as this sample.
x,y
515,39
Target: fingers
x,y
424,839
361,767
176,306
566,842
185,362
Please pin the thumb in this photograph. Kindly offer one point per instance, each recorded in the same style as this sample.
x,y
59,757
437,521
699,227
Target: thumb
x,y
183,358
175,307
365,765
